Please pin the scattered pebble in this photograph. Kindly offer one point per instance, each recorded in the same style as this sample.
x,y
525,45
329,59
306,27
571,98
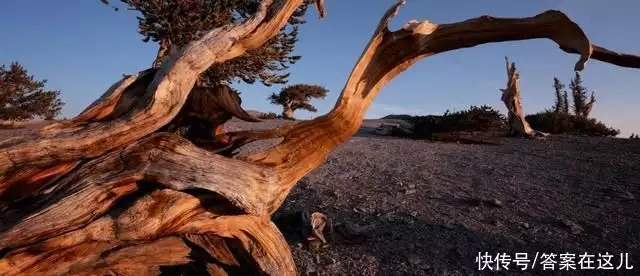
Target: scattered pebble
x,y
410,191
354,233
311,270
415,260
326,260
315,245
628,195
360,210
574,227
496,202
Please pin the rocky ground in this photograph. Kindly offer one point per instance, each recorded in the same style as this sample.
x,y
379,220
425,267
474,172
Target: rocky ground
x,y
423,208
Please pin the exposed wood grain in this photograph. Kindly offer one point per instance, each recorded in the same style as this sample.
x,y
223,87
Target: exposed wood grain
x,y
162,99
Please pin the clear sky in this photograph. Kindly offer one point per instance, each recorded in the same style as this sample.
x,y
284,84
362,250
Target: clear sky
x,y
82,47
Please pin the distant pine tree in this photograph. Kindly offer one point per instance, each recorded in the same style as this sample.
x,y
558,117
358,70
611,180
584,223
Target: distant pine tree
x,y
559,105
580,105
22,97
294,97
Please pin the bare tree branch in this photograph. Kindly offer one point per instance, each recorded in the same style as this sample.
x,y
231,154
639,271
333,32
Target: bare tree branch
x,y
158,103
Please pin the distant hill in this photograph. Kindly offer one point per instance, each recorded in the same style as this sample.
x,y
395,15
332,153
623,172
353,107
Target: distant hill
x,y
255,113
398,117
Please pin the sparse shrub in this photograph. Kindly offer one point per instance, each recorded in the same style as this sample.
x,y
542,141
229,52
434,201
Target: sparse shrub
x,y
552,122
483,118
268,116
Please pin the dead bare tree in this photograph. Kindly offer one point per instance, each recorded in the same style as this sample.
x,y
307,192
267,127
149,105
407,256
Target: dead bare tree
x,y
107,193
518,124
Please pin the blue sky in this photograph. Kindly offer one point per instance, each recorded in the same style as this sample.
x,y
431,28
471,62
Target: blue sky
x,y
82,47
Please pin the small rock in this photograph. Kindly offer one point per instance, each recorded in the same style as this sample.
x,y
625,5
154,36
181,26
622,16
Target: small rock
x,y
326,260
299,245
525,225
541,229
628,195
574,227
414,214
411,186
496,202
315,245
360,210
354,233
311,270
406,220
390,217
410,191
415,260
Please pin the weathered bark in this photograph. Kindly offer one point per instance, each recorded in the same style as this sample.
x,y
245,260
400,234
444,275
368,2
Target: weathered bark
x,y
103,194
518,125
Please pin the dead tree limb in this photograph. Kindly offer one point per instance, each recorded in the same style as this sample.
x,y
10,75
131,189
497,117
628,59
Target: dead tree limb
x,y
104,194
518,125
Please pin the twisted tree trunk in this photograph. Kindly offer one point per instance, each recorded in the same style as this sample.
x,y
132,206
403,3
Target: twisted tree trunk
x,y
287,111
112,192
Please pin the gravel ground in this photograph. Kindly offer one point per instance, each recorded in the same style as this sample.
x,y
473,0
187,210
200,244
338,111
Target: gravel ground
x,y
428,208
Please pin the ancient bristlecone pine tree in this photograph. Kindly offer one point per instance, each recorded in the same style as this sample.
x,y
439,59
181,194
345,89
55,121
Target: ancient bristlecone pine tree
x,y
174,23
518,125
294,97
109,193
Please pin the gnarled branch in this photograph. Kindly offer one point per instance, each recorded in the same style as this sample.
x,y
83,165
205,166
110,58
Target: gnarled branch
x,y
160,101
307,144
